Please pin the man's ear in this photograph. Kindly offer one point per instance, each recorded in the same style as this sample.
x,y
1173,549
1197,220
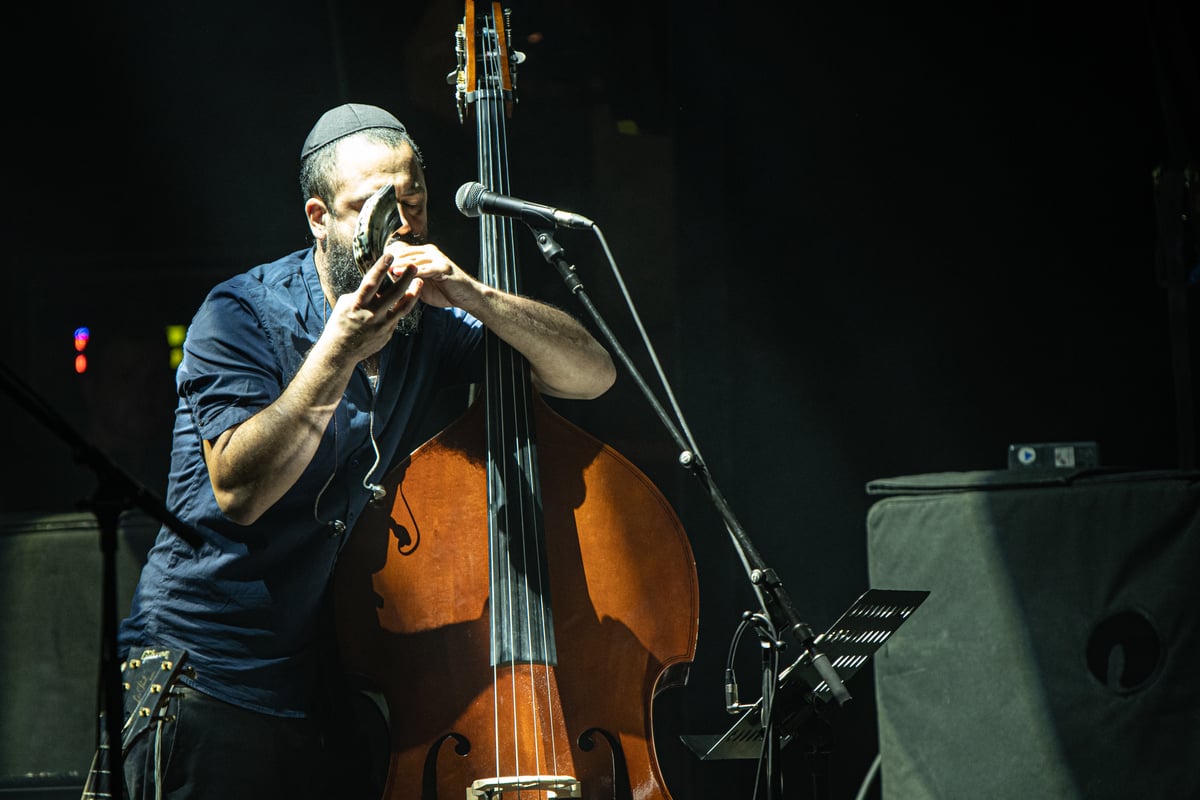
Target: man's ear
x,y
318,217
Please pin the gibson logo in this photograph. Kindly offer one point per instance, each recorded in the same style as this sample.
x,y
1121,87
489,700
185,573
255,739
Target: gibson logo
x,y
150,654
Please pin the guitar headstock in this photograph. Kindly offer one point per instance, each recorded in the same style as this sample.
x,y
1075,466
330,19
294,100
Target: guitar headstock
x,y
147,681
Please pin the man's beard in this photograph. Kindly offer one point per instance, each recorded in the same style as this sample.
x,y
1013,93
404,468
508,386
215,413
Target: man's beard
x,y
344,278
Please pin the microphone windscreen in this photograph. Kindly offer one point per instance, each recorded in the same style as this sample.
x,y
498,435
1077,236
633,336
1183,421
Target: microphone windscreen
x,y
467,198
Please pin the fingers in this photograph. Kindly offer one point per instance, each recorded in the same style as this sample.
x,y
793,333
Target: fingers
x,y
384,279
375,280
428,273
408,299
397,280
401,249
398,291
428,260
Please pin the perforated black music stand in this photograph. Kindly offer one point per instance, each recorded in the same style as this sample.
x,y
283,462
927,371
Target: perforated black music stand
x,y
849,644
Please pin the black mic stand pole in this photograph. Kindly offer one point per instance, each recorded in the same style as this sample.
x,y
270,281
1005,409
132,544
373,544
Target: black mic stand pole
x,y
116,493
764,580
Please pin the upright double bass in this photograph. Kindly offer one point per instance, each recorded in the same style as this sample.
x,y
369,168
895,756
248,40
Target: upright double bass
x,y
529,591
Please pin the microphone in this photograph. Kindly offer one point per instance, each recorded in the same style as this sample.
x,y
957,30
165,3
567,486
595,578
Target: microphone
x,y
731,693
474,199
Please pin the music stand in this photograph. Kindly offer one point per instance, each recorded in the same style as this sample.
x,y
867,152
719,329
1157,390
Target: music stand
x,y
849,643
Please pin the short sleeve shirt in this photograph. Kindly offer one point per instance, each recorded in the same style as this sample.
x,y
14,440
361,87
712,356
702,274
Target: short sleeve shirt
x,y
248,603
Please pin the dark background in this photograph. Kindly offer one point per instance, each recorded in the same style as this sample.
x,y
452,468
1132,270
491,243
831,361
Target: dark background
x,y
865,241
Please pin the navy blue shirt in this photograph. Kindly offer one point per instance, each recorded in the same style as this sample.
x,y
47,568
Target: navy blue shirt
x,y
248,605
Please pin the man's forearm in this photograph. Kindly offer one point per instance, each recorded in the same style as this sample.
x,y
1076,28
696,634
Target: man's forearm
x,y
565,360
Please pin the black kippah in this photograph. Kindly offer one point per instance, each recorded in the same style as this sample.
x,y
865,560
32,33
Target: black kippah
x,y
345,120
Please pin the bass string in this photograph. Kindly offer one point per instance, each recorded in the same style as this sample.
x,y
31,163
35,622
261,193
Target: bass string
x,y
498,268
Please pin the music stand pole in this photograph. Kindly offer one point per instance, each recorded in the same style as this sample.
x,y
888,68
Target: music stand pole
x,y
107,509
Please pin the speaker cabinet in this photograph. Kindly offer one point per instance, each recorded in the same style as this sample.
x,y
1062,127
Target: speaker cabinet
x,y
51,587
1058,654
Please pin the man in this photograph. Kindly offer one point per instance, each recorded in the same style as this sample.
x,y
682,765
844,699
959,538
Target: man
x,y
302,382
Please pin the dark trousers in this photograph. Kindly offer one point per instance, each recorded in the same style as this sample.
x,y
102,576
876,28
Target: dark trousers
x,y
205,748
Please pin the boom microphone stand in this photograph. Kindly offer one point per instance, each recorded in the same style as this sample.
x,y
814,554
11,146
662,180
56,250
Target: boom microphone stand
x,y
778,610
764,580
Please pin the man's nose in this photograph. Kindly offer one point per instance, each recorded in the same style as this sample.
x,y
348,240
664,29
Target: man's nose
x,y
405,226
405,232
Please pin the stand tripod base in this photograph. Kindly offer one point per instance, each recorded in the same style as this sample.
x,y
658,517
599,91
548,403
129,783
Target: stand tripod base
x,y
849,644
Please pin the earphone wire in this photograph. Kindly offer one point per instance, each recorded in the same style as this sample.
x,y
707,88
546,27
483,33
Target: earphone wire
x,y
337,525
